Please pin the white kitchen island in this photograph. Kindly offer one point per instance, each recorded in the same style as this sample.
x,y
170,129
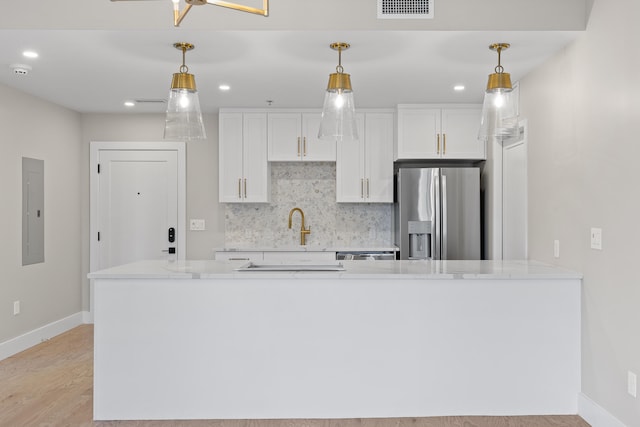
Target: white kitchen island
x,y
200,340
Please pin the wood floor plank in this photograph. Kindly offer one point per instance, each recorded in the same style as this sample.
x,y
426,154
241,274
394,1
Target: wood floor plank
x,y
51,385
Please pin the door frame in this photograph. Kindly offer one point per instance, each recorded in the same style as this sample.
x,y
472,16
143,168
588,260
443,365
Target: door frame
x,y
95,148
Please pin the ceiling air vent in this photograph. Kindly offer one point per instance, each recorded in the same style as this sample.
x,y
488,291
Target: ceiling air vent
x,y
405,9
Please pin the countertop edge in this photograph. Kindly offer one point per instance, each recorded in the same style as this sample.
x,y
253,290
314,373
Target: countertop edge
x,y
357,270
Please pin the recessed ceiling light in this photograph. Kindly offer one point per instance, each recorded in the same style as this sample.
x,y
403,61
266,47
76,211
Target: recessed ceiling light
x,y
129,104
224,88
458,88
30,54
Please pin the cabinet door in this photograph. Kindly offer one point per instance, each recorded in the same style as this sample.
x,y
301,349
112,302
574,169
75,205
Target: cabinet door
x,y
379,157
285,140
230,157
460,129
314,149
418,130
256,176
350,168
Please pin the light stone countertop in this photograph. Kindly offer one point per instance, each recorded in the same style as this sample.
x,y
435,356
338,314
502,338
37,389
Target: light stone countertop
x,y
306,248
397,270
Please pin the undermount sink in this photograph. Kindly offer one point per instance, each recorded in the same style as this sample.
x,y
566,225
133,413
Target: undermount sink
x,y
251,266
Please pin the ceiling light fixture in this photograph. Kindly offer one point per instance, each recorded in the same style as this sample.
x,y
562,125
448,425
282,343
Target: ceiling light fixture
x,y
338,113
30,54
184,118
178,15
499,110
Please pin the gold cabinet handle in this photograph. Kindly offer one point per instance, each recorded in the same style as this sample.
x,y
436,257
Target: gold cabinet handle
x,y
239,188
444,143
245,188
438,146
305,146
298,146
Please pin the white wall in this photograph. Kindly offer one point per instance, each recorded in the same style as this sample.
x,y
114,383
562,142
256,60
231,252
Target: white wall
x,y
583,109
51,290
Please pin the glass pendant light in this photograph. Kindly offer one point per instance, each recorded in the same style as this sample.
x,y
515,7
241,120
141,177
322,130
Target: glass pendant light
x,y
499,110
338,113
184,118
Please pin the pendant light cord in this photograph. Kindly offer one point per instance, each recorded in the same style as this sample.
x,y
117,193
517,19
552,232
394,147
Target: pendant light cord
x,y
183,67
499,68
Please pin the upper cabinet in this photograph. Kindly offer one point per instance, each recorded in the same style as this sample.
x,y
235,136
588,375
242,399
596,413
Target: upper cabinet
x,y
244,173
430,132
364,168
294,137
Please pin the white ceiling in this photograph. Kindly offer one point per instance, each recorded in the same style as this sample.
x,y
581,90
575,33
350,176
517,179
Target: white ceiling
x,y
95,71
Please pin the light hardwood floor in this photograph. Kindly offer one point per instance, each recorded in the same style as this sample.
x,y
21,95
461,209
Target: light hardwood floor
x,y
51,385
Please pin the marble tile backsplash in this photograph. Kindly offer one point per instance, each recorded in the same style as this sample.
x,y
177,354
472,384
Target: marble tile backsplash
x,y
311,187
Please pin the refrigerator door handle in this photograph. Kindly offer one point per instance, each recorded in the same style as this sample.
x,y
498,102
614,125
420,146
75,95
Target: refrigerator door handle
x,y
444,218
435,243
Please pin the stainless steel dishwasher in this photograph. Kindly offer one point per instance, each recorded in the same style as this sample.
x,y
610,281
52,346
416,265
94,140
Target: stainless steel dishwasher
x,y
366,255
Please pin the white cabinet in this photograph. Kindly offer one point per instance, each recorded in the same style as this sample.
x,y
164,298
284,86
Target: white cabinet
x,y
364,168
294,137
244,173
431,132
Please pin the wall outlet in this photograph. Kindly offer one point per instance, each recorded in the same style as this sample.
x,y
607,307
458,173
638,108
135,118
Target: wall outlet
x,y
556,248
16,308
632,383
196,224
596,238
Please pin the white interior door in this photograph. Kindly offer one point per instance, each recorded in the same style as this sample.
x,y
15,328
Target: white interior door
x,y
137,206
514,197
137,195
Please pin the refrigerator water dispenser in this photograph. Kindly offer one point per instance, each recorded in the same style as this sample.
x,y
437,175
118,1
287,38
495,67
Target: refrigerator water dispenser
x,y
419,239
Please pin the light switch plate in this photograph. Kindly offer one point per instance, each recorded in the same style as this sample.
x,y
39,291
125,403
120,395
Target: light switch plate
x,y
596,238
196,224
556,248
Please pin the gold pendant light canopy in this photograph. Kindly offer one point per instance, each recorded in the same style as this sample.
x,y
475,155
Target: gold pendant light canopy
x,y
184,117
183,80
338,112
339,80
499,79
500,107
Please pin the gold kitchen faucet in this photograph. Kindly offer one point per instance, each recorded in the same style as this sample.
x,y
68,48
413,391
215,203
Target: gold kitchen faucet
x,y
303,231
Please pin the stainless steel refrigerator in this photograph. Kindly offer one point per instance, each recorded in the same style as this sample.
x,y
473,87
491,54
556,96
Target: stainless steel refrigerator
x,y
437,213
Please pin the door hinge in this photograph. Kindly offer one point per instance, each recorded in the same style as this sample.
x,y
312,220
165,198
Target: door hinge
x,y
98,167
98,236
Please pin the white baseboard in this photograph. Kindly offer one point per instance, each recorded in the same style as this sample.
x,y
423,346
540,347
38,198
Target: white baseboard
x,y
31,338
595,414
